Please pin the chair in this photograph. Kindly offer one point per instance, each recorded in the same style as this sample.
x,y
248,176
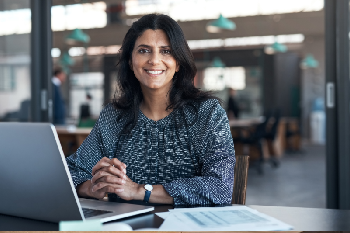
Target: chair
x,y
293,136
240,180
270,136
254,138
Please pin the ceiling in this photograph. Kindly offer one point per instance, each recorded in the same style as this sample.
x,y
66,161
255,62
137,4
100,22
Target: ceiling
x,y
21,4
69,2
307,23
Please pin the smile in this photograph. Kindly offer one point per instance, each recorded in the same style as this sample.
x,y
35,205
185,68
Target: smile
x,y
155,71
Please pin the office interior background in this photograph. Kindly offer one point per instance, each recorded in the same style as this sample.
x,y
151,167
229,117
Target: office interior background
x,y
287,55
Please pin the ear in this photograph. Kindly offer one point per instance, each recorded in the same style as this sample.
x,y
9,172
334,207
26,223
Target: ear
x,y
177,67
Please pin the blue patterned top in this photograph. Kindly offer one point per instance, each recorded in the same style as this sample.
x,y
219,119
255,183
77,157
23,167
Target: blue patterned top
x,y
190,154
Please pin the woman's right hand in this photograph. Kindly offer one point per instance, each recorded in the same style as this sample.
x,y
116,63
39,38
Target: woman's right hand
x,y
108,177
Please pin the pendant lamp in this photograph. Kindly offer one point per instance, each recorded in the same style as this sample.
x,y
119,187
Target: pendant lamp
x,y
309,62
77,35
66,60
220,24
217,62
275,48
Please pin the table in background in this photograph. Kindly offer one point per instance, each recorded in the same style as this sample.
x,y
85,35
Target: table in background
x,y
245,123
278,146
71,137
302,219
242,126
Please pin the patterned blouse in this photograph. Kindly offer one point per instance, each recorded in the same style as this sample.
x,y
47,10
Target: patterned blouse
x,y
190,154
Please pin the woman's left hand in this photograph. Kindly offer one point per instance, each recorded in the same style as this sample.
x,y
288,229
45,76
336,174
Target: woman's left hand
x,y
131,190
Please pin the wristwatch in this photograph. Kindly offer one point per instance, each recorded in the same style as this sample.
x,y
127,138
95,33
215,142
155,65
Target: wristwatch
x,y
148,191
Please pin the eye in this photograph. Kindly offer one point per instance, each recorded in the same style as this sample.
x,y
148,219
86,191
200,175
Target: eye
x,y
143,51
166,51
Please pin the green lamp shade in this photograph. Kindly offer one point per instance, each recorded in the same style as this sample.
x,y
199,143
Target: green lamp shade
x,y
217,62
219,24
66,69
275,48
66,60
309,62
77,35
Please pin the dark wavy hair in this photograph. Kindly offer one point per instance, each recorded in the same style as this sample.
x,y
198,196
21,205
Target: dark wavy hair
x,y
128,95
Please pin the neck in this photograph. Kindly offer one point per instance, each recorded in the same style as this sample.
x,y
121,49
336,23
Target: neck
x,y
154,103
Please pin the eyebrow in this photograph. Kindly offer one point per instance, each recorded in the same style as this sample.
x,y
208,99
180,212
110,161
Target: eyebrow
x,y
147,46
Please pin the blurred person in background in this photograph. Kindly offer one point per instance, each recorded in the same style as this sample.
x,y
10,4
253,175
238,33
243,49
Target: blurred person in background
x,y
85,117
233,107
85,112
59,114
160,140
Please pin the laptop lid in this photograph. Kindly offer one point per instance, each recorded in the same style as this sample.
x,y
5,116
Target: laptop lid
x,y
33,172
38,184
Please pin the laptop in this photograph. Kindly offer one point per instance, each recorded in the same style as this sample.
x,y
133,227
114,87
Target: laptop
x,y
36,182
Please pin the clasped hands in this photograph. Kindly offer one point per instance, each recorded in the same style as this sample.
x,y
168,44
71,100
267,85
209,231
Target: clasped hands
x,y
109,176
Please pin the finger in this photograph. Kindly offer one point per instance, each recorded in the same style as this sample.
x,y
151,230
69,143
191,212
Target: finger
x,y
99,166
118,165
105,187
110,189
99,174
114,171
104,162
105,177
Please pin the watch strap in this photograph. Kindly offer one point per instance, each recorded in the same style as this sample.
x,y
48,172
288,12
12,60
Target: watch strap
x,y
147,195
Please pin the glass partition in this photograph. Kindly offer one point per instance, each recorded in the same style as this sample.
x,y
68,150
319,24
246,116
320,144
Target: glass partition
x,y
86,89
15,83
246,82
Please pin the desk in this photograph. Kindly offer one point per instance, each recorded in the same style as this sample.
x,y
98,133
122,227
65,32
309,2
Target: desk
x,y
302,219
71,138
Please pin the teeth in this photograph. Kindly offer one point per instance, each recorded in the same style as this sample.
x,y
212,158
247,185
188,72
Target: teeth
x,y
154,72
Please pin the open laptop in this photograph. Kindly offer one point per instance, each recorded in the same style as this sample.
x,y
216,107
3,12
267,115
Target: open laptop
x,y
36,182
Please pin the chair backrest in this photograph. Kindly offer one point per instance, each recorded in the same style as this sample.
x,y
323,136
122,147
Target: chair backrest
x,y
274,127
260,129
241,177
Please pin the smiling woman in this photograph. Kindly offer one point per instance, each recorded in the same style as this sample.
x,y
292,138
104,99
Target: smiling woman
x,y
152,61
160,140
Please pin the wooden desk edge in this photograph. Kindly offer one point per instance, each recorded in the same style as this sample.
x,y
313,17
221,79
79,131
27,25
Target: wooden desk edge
x,y
162,231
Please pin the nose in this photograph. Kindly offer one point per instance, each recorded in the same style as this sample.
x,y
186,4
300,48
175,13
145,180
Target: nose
x,y
154,58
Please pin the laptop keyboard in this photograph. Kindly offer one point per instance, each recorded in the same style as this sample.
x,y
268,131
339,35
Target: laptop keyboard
x,y
88,213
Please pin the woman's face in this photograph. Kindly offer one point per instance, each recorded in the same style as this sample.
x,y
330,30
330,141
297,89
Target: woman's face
x,y
152,60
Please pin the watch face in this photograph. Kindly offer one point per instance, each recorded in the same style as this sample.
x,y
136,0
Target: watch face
x,y
148,187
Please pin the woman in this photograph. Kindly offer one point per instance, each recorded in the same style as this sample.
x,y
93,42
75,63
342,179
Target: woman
x,y
161,140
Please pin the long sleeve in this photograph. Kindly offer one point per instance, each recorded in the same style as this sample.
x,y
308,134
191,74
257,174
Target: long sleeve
x,y
86,157
100,143
215,183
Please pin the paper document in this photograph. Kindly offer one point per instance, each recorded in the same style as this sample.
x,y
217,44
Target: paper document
x,y
163,215
230,218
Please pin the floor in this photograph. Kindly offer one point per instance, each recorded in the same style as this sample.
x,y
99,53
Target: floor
x,y
299,181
